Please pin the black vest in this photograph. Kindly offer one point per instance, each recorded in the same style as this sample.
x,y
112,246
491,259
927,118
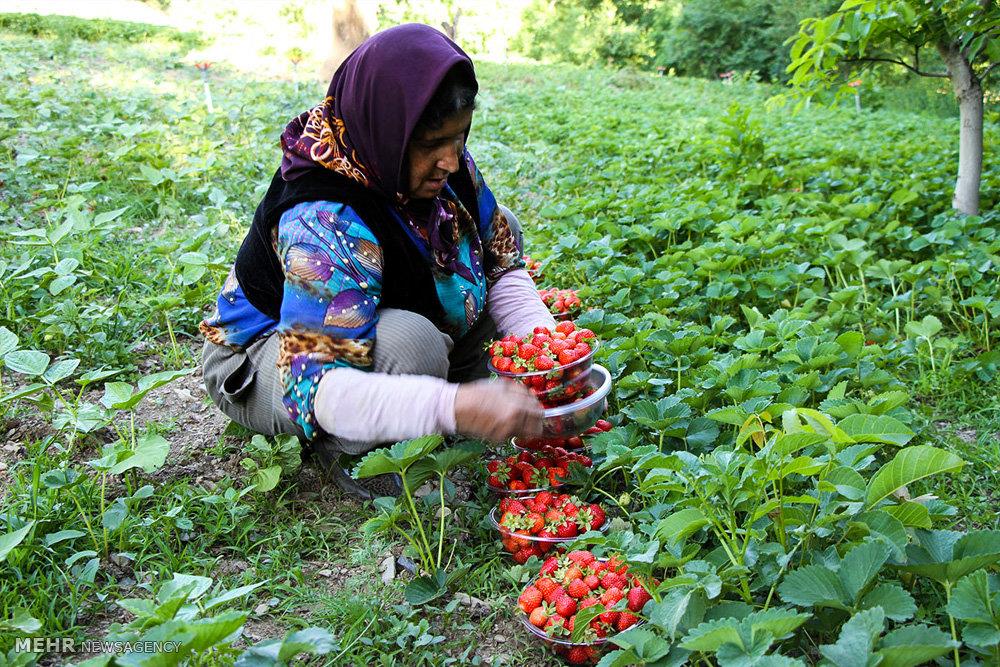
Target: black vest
x,y
407,282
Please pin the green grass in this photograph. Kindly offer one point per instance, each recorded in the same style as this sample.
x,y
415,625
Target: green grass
x,y
669,208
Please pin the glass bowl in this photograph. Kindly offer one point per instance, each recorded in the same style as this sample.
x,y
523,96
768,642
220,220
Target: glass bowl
x,y
576,417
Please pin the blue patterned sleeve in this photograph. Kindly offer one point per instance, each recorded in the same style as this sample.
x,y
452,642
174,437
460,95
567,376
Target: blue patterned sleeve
x,y
333,280
501,250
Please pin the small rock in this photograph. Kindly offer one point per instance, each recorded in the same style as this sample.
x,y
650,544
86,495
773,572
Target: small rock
x,y
473,602
427,489
500,639
183,394
325,572
261,609
443,510
388,568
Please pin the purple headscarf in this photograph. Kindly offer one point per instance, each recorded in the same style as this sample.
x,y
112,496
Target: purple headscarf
x,y
372,106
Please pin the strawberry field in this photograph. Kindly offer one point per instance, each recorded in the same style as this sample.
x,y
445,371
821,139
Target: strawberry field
x,y
801,456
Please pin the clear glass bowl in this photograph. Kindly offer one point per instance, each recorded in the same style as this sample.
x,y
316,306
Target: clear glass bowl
x,y
576,417
571,378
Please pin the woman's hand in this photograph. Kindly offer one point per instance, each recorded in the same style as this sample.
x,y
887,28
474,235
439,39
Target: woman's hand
x,y
497,411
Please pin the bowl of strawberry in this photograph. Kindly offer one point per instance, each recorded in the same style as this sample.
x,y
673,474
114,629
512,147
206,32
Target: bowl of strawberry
x,y
564,304
555,365
551,446
575,417
526,473
534,525
568,584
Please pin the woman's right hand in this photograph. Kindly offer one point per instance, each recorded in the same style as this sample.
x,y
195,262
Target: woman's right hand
x,y
497,410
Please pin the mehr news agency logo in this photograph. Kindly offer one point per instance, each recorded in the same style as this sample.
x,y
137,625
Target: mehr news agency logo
x,y
49,645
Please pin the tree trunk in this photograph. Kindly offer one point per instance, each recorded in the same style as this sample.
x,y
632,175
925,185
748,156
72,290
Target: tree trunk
x,y
969,91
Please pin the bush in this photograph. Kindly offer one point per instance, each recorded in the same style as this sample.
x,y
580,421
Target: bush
x,y
91,30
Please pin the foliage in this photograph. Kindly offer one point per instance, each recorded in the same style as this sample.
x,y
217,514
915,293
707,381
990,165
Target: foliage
x,y
69,27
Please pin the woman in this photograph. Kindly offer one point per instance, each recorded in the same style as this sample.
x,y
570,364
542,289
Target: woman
x,y
377,267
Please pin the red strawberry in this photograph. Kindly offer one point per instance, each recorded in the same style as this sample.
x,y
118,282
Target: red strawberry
x,y
575,442
585,334
592,581
554,516
495,482
528,351
555,594
615,564
542,330
544,497
535,522
609,617
567,529
538,617
637,598
567,356
546,585
604,425
580,655
523,470
572,573
581,350
626,620
544,363
517,485
517,369
613,580
496,349
529,599
578,589
556,626
611,596
556,476
539,478
516,506
588,601
565,606
508,348
565,327
558,345
521,556
549,566
581,557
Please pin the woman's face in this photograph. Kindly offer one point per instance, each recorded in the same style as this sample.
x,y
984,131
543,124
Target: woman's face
x,y
434,155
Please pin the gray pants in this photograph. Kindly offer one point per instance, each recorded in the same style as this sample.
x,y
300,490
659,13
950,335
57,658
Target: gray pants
x,y
247,387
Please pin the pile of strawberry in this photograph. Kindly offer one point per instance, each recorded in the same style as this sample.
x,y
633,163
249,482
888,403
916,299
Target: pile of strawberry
x,y
560,301
553,445
549,351
547,516
566,584
531,471
532,266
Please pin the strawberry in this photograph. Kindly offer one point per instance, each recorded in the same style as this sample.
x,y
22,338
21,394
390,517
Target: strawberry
x,y
637,598
514,505
541,339
611,595
609,617
544,497
539,478
535,522
544,363
565,606
574,441
549,566
585,335
592,581
588,601
517,485
555,594
572,573
542,330
508,348
522,555
494,481
615,564
578,589
538,617
567,356
523,470
529,599
546,585
567,529
626,620
528,351
556,626
570,509
517,369
604,425
496,349
613,580
580,655
554,516
556,476
581,350
565,327
581,557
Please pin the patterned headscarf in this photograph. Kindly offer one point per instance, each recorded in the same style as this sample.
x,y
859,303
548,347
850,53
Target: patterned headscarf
x,y
362,128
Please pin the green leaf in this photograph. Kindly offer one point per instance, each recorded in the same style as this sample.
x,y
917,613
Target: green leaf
x,y
969,552
926,328
185,586
814,586
852,342
908,466
876,428
11,540
777,622
670,612
710,635
116,395
21,622
26,362
887,528
860,566
913,645
313,641
60,370
8,341
457,456
150,453
897,604
582,621
911,514
972,599
680,525
856,641
230,595
266,479
423,589
61,536
109,216
397,458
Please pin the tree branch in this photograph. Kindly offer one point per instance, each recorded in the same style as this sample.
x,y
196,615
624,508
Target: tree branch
x,y
937,75
989,70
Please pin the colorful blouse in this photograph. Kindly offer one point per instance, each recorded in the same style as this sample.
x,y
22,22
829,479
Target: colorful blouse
x,y
333,270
